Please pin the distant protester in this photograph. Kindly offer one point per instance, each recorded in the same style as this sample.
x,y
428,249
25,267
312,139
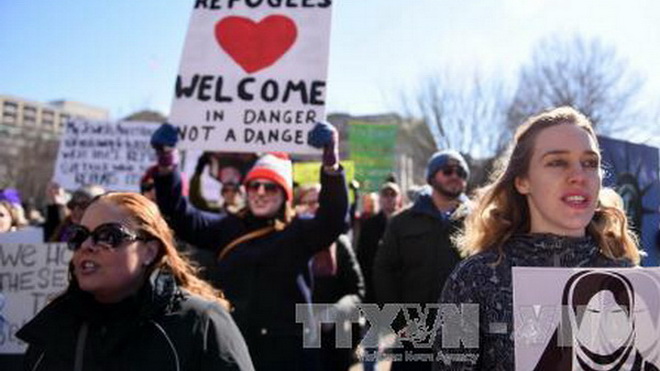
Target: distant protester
x,y
62,214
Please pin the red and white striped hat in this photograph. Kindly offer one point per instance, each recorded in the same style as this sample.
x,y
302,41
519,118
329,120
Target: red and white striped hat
x,y
276,167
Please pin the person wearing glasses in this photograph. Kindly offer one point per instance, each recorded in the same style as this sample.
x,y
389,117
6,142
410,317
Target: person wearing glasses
x,y
417,253
228,169
262,249
544,208
132,303
61,214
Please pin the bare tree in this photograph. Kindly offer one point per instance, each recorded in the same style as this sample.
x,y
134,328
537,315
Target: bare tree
x,y
27,162
468,117
585,74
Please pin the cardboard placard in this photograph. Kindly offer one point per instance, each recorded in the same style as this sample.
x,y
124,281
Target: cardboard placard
x,y
252,76
31,274
114,155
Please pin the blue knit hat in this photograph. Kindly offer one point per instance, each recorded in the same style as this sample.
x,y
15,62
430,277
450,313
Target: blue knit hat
x,y
440,159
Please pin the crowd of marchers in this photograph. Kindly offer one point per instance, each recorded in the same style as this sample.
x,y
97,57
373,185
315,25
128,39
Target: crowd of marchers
x,y
166,279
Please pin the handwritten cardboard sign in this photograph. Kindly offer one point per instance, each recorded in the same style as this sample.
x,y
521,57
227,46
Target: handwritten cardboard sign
x,y
30,276
567,318
253,75
114,155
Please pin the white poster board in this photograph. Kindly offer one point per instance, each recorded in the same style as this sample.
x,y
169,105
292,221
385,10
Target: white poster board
x,y
30,276
114,155
28,234
252,76
210,187
598,317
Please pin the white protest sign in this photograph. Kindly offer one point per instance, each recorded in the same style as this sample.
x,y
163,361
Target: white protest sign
x,y
114,155
210,187
595,318
24,235
253,75
30,276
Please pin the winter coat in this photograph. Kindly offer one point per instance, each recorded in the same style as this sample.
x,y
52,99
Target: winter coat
x,y
259,275
348,279
416,255
345,289
486,279
370,236
163,327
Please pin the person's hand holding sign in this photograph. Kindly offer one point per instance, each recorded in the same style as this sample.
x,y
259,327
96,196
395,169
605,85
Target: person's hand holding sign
x,y
325,136
164,140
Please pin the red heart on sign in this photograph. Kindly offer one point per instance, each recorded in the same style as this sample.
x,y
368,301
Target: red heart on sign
x,y
255,45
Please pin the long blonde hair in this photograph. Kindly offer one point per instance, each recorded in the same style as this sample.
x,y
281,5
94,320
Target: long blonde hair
x,y
146,216
501,211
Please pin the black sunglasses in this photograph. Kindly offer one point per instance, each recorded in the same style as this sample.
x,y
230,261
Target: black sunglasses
x,y
449,171
108,236
254,186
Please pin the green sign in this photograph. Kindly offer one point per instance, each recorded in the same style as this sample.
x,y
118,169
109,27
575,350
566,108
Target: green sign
x,y
372,148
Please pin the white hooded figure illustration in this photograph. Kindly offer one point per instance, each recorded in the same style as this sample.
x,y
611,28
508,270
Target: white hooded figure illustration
x,y
599,328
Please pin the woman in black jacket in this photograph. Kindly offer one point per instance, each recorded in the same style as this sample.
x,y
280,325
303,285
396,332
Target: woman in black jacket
x,y
262,249
133,302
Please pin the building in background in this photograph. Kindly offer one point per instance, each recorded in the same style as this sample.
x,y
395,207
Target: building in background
x,y
29,138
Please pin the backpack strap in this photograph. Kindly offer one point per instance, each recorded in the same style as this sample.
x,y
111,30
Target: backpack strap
x,y
246,237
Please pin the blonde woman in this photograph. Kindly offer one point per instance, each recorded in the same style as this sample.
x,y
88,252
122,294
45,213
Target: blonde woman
x,y
541,210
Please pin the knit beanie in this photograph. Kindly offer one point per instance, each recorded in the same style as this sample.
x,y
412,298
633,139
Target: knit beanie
x,y
441,159
276,167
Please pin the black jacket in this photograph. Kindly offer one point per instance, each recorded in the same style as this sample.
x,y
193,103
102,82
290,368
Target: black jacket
x,y
371,234
416,255
161,328
259,275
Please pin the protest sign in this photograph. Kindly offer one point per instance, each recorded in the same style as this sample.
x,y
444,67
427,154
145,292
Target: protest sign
x,y
372,147
575,319
113,155
632,170
210,186
310,172
30,276
24,235
252,76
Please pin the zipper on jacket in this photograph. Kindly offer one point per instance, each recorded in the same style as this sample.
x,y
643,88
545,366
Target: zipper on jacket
x,y
169,341
36,364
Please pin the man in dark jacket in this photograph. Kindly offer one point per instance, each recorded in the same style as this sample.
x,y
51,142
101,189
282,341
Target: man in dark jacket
x,y
389,200
417,254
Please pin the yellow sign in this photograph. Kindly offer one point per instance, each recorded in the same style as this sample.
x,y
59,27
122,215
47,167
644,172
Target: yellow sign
x,y
308,172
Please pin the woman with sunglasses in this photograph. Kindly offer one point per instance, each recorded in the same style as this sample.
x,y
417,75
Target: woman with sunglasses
x,y
542,209
133,303
263,248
